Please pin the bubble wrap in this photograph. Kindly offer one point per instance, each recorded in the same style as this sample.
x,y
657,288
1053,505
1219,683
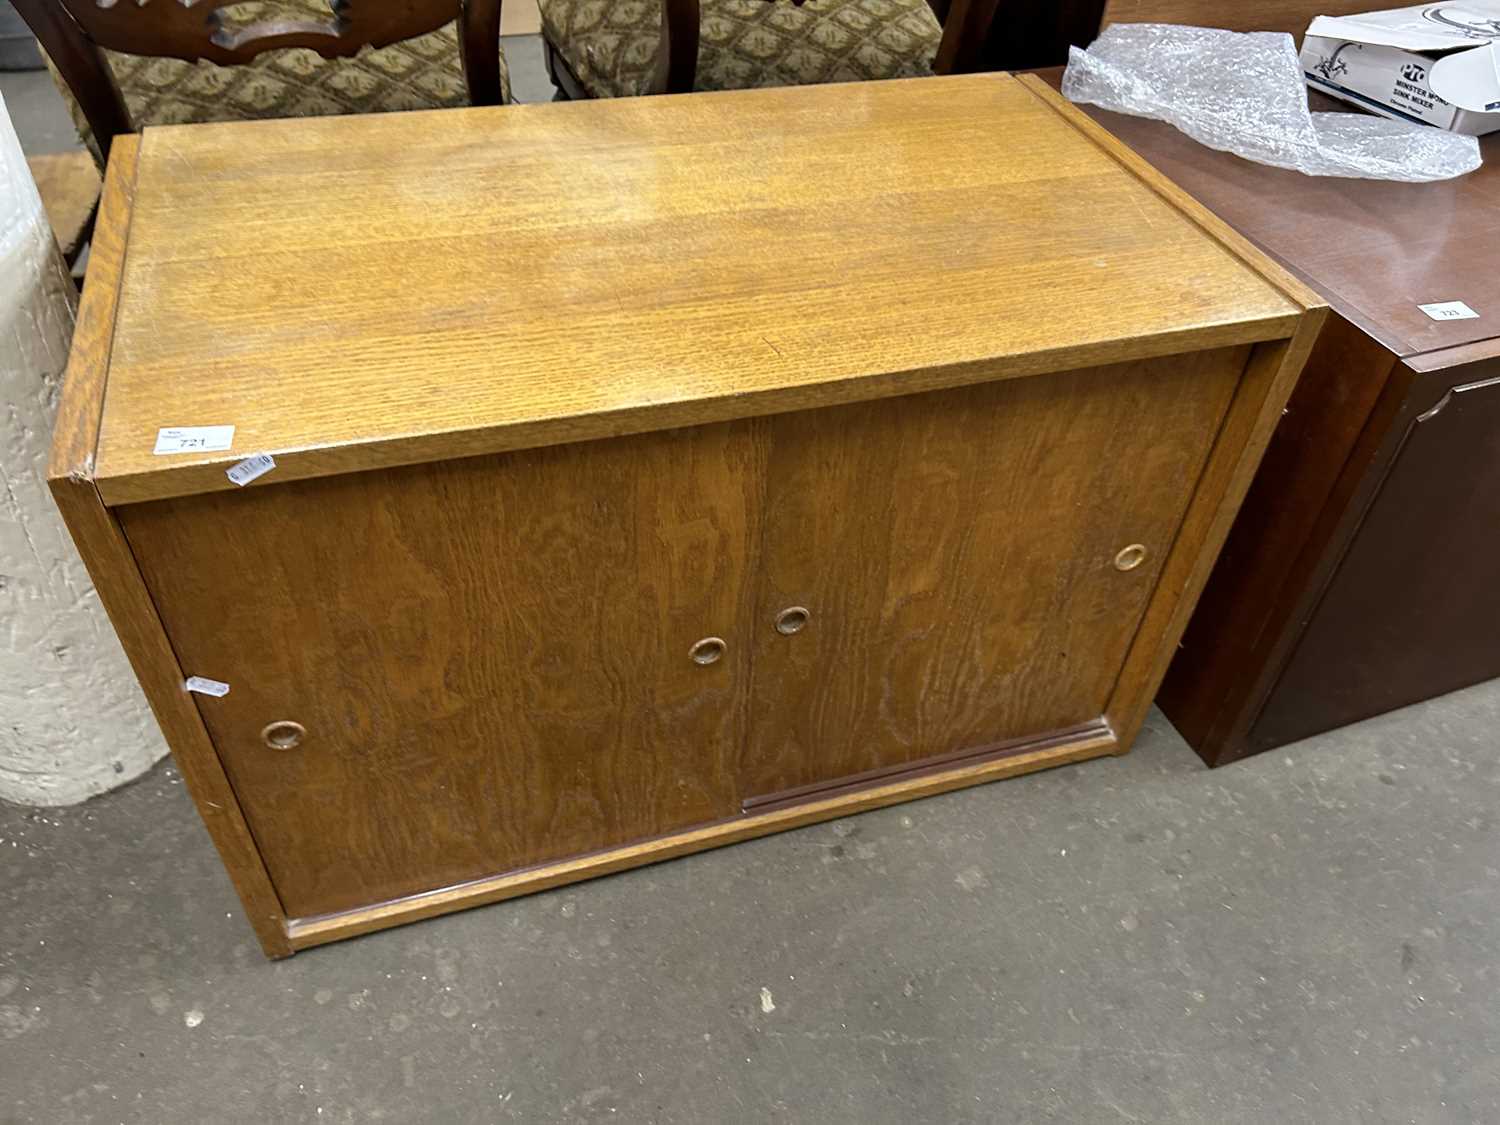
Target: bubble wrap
x,y
1245,94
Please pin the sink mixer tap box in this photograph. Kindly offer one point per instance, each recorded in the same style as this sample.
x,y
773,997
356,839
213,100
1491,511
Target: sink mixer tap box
x,y
1435,64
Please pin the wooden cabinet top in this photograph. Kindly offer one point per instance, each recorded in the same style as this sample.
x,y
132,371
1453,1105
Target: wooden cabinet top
x,y
1375,249
357,292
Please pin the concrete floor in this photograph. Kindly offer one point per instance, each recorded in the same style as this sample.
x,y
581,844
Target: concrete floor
x,y
1309,936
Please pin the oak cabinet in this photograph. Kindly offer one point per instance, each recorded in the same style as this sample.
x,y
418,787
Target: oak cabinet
x,y
616,518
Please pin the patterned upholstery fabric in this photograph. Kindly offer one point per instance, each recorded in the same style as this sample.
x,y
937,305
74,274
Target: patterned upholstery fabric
x,y
611,45
421,73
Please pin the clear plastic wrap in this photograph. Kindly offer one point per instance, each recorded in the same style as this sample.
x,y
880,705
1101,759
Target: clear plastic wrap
x,y
1244,93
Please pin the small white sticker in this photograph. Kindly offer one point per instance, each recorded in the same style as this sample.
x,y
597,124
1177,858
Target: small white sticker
x,y
204,686
1449,310
250,468
193,439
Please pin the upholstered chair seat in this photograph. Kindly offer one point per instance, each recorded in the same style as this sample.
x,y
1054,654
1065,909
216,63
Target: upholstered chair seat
x,y
611,46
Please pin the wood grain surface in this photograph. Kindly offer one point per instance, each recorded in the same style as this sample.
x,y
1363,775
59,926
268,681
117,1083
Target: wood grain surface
x,y
1289,16
484,624
304,933
490,657
1258,403
1413,610
359,292
1045,88
117,581
75,426
1277,650
1373,249
955,552
68,183
1264,569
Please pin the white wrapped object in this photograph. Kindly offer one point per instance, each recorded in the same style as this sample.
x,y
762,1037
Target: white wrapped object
x,y
1244,93
73,721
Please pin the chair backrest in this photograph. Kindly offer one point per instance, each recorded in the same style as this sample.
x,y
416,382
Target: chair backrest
x,y
1290,16
677,52
75,33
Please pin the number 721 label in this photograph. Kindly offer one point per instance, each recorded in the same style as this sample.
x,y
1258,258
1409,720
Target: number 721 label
x,y
194,439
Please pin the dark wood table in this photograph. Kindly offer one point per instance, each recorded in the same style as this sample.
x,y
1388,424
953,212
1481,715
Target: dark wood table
x,y
1361,574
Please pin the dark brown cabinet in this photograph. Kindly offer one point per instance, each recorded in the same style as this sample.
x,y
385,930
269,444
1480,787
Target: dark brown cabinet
x,y
1363,572
1412,610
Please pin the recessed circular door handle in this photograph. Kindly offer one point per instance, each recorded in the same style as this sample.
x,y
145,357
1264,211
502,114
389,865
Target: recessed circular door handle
x,y
793,619
710,650
1131,557
283,734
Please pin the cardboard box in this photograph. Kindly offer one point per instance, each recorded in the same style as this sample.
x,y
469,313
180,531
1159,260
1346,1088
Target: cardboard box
x,y
1436,64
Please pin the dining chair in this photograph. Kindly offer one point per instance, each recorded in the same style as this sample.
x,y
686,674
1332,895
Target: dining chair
x,y
123,64
620,48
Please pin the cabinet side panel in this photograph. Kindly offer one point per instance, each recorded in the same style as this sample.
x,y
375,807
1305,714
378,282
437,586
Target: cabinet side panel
x,y
1258,402
75,429
1247,604
1413,610
111,566
102,546
490,657
956,556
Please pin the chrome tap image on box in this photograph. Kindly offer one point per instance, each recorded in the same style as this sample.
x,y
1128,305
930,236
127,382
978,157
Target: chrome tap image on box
x,y
1435,64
